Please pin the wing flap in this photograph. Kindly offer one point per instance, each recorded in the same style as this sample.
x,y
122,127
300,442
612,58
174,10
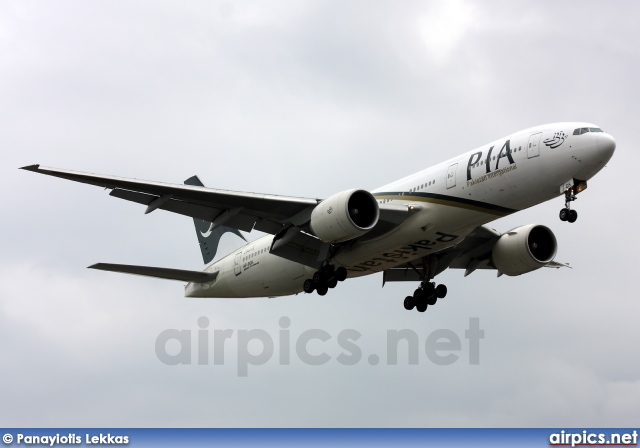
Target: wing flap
x,y
181,207
299,247
152,271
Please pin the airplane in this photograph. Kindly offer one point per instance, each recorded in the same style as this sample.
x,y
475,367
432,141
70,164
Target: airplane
x,y
410,230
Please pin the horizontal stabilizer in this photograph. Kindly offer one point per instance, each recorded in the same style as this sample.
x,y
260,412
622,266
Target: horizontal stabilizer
x,y
151,271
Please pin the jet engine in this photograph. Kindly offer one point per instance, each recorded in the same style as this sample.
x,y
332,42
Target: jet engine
x,y
344,216
524,249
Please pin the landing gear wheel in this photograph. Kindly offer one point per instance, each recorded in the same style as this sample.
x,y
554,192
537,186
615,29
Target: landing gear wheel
x,y
332,283
421,306
408,303
441,291
322,289
564,214
432,299
309,286
317,278
341,274
573,215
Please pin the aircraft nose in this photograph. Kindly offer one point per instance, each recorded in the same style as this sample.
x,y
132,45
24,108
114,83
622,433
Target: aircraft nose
x,y
606,145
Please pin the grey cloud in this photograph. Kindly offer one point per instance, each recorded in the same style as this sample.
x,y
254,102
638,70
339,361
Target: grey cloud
x,y
304,99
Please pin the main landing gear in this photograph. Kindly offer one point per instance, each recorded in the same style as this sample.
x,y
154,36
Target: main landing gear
x,y
566,214
327,277
426,294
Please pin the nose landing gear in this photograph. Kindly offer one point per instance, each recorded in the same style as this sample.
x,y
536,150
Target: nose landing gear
x,y
566,214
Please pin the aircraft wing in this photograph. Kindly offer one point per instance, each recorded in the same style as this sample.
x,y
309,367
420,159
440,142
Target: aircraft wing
x,y
474,252
239,210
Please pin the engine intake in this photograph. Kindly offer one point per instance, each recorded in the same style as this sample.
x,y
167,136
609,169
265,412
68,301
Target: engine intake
x,y
524,249
344,216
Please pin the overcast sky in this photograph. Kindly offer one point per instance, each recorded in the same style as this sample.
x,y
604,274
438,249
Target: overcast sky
x,y
306,99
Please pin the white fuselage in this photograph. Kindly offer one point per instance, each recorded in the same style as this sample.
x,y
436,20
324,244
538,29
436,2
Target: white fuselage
x,y
456,196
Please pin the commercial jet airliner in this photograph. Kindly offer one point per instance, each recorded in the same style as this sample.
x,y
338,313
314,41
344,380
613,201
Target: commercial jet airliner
x,y
410,230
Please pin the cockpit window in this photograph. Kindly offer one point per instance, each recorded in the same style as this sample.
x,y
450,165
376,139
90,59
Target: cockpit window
x,y
580,131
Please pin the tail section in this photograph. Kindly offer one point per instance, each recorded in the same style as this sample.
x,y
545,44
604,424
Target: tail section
x,y
209,239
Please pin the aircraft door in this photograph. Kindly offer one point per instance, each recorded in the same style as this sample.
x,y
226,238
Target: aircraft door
x,y
533,149
451,176
237,268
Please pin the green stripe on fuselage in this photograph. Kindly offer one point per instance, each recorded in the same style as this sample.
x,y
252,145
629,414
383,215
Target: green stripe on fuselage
x,y
442,199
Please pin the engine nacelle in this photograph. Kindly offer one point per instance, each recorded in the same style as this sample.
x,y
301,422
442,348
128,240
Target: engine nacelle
x,y
524,249
345,216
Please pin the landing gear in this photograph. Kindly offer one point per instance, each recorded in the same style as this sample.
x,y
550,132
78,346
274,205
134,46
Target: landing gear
x,y
426,294
309,286
325,278
441,291
566,214
408,303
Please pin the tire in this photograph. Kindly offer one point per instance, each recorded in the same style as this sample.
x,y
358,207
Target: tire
x,y
317,278
341,273
433,298
408,303
441,291
573,215
421,306
564,214
322,289
332,283
309,286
